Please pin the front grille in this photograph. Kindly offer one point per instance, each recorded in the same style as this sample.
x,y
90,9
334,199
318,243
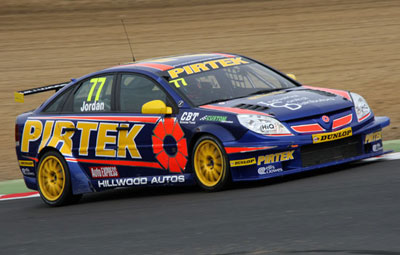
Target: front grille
x,y
314,154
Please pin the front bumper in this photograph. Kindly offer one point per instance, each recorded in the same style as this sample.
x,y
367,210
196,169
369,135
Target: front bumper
x,y
278,156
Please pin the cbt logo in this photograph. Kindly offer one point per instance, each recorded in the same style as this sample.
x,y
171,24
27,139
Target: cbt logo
x,y
189,117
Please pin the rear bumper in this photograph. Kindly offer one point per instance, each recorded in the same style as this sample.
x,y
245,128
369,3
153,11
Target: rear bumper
x,y
293,154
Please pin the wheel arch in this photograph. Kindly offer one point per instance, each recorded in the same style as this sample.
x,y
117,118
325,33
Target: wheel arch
x,y
44,151
221,133
218,132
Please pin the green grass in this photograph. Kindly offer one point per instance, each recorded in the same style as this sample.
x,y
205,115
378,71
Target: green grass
x,y
13,186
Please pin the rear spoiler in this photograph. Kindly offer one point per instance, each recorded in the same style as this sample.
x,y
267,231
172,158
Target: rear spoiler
x,y
19,96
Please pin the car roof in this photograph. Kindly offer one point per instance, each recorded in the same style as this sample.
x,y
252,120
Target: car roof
x,y
156,65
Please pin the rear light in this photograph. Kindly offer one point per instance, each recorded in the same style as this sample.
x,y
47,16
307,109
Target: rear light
x,y
17,135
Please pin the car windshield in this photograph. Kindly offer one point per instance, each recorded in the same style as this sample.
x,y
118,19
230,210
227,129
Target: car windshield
x,y
224,79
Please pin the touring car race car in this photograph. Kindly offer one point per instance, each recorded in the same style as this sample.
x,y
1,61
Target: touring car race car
x,y
205,118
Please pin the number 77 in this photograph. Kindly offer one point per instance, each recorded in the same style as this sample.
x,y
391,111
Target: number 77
x,y
101,80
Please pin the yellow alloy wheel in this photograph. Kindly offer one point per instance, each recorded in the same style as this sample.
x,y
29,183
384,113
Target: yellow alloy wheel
x,y
51,178
209,163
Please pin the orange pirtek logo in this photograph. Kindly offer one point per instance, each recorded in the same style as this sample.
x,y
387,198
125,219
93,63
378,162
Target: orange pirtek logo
x,y
169,145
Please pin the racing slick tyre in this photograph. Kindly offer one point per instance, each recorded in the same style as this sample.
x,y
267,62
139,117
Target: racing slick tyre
x,y
210,164
54,181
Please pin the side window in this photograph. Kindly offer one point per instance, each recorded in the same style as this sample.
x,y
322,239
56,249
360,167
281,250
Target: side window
x,y
268,79
56,104
94,95
136,90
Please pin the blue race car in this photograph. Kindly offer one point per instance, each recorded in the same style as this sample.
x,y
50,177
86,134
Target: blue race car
x,y
206,118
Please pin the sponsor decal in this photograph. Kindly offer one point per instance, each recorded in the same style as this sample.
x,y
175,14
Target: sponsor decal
x,y
95,106
377,147
189,117
205,66
104,172
179,82
167,179
243,162
27,171
169,145
326,137
26,163
138,181
275,158
97,83
293,102
267,127
122,182
215,118
58,134
270,169
373,137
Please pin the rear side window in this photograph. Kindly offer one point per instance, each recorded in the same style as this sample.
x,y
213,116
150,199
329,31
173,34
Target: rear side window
x,y
94,95
57,104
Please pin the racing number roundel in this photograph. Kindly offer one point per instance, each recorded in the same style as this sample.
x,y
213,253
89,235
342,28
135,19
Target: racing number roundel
x,y
169,145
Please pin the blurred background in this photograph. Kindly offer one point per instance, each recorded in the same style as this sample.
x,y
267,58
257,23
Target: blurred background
x,y
344,44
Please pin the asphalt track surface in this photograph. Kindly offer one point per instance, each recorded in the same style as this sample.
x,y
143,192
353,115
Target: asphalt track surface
x,y
353,209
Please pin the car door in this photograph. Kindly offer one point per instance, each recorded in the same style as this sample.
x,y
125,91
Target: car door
x,y
148,144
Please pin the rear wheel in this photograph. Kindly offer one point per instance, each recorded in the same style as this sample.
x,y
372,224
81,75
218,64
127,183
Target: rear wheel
x,y
54,180
210,164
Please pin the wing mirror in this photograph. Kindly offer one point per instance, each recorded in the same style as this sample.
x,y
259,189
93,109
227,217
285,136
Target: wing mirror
x,y
291,76
156,107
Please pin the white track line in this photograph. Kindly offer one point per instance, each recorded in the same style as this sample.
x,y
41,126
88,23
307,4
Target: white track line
x,y
17,197
389,156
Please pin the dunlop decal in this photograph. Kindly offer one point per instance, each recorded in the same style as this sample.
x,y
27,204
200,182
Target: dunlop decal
x,y
326,137
26,163
243,162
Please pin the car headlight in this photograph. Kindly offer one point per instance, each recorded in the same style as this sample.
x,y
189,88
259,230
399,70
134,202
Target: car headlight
x,y
361,107
263,124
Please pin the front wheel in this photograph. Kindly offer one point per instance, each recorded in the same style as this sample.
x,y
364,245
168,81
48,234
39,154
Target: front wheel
x,y
210,164
54,180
